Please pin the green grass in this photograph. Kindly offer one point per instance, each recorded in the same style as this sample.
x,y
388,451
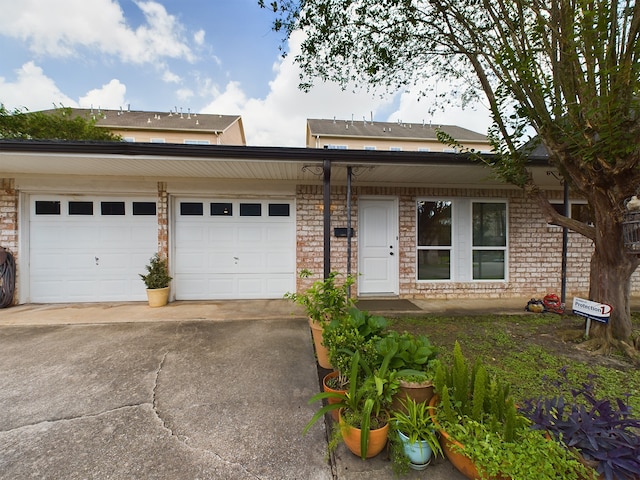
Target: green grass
x,y
525,351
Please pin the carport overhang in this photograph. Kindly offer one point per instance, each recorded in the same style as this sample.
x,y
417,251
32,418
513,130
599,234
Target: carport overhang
x,y
278,164
253,163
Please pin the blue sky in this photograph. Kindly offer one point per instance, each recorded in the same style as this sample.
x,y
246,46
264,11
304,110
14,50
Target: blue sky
x,y
206,56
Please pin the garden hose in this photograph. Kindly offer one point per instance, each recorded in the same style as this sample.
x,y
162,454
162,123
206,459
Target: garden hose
x,y
7,277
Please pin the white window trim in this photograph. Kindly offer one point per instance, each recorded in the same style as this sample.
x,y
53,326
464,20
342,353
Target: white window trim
x,y
451,248
461,206
488,248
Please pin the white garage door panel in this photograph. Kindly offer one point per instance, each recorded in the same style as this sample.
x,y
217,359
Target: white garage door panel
x,y
233,256
89,258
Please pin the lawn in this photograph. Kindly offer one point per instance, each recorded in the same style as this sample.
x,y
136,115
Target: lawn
x,y
530,350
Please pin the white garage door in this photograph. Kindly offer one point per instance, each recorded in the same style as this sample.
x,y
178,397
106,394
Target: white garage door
x,y
90,249
231,249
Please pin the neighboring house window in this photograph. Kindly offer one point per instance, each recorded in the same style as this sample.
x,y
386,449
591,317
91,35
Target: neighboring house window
x,y
197,142
424,149
449,150
369,147
129,139
157,140
395,149
335,147
461,240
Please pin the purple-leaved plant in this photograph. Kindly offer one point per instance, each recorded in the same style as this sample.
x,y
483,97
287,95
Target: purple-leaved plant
x,y
603,431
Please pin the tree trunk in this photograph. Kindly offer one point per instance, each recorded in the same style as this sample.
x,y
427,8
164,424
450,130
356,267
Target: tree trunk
x,y
611,270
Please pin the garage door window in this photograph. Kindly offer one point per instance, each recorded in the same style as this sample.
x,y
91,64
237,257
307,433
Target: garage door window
x,y
112,208
191,208
144,208
44,207
250,209
221,209
80,208
278,209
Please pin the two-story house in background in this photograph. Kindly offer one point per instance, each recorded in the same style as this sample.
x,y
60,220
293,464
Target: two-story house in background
x,y
391,136
168,127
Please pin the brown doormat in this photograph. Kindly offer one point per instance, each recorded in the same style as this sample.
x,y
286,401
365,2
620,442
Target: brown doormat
x,y
383,305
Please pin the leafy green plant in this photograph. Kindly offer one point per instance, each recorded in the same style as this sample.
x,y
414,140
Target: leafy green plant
x,y
364,404
415,422
357,331
325,300
531,454
157,273
415,357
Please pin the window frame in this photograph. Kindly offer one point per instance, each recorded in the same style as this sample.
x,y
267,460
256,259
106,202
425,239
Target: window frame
x,y
462,248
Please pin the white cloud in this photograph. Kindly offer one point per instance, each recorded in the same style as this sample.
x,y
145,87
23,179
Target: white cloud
x,y
66,27
184,94
198,37
280,118
32,89
414,108
111,95
169,77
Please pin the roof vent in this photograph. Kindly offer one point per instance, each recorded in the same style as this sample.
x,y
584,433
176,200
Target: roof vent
x,y
149,120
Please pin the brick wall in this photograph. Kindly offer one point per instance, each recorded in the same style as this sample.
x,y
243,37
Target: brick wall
x,y
9,221
534,253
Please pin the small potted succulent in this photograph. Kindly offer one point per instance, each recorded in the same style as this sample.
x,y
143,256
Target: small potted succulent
x,y
157,281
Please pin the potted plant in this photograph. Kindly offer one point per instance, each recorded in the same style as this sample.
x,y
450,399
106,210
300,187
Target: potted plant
x,y
323,301
363,415
357,331
483,435
415,360
416,433
157,281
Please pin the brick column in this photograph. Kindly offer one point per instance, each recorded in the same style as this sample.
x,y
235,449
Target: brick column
x,y
163,220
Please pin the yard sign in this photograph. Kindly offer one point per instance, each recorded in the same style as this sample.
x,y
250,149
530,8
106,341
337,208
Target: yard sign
x,y
600,312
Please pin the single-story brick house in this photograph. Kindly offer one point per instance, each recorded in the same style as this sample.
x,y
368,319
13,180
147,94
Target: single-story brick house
x,y
236,222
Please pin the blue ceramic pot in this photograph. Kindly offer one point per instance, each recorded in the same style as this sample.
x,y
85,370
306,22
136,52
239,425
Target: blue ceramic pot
x,y
419,452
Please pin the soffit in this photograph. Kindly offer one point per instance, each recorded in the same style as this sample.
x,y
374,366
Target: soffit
x,y
300,165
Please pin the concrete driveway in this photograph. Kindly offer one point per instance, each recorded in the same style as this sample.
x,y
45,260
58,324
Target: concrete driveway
x,y
121,392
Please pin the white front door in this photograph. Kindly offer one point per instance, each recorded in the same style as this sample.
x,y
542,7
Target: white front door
x,y
378,246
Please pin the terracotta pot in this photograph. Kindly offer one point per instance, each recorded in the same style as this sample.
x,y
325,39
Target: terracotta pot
x,y
327,388
420,392
463,464
322,352
158,297
351,437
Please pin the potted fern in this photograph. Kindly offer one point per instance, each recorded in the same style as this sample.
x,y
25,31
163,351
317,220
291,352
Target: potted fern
x,y
157,281
484,436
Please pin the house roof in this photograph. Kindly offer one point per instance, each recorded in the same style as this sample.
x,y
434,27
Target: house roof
x,y
297,165
144,120
390,130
